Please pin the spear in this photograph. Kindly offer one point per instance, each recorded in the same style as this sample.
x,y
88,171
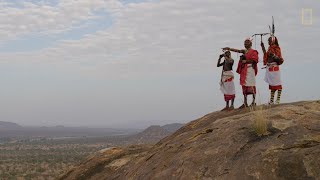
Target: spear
x,y
261,34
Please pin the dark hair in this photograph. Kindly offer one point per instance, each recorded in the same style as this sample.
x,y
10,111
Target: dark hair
x,y
227,52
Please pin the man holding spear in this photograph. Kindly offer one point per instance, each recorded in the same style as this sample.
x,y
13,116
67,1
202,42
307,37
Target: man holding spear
x,y
272,59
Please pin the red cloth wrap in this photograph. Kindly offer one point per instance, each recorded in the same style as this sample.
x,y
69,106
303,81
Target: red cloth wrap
x,y
275,87
242,68
229,97
248,90
276,50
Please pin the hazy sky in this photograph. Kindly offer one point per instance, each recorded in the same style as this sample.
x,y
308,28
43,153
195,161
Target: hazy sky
x,y
132,63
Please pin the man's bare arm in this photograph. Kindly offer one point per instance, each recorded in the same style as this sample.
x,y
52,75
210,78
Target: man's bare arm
x,y
263,48
234,50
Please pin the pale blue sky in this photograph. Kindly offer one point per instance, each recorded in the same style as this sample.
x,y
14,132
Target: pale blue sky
x,y
133,63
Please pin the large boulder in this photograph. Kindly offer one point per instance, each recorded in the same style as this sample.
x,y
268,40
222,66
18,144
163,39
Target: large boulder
x,y
222,145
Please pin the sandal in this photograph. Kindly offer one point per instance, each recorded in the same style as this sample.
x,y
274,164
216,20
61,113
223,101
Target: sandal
x,y
242,106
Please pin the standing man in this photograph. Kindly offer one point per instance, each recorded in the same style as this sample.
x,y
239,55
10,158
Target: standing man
x,y
272,59
226,83
248,69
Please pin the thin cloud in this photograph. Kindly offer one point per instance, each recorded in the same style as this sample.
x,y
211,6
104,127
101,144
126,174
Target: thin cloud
x,y
17,20
153,39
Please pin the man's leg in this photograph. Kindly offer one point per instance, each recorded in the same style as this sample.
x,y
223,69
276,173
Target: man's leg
x,y
245,103
272,96
245,100
253,100
227,105
232,103
279,96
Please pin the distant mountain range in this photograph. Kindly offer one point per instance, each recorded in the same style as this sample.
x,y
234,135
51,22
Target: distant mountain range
x,y
9,129
172,127
9,125
151,134
154,133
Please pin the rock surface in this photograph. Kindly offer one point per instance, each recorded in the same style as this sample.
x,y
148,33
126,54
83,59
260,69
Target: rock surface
x,y
221,145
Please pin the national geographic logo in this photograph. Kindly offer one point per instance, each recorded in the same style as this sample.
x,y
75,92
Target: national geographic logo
x,y
306,16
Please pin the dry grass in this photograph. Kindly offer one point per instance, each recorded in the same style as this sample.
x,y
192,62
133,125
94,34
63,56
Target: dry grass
x,y
260,121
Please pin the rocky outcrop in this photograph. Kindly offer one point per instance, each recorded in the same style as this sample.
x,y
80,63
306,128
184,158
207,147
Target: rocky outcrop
x,y
153,134
221,145
172,127
106,162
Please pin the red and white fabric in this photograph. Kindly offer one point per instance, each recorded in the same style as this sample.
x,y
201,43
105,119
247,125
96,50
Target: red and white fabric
x,y
227,85
273,76
248,72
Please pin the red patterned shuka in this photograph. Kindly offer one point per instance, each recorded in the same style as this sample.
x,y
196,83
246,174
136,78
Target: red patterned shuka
x,y
273,71
274,49
248,83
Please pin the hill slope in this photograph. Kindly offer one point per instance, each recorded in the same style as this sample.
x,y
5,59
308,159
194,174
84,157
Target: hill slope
x,y
221,145
154,133
9,125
